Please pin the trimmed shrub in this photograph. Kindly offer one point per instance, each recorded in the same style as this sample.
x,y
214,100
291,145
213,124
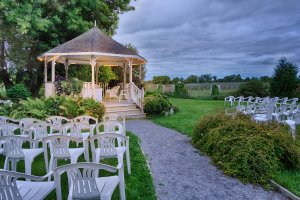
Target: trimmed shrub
x,y
157,105
245,149
18,91
93,108
180,91
215,90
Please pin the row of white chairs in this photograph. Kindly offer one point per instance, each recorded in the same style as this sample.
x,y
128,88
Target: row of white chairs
x,y
103,145
272,109
248,100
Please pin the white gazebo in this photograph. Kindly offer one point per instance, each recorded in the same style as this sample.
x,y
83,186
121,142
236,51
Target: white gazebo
x,y
96,49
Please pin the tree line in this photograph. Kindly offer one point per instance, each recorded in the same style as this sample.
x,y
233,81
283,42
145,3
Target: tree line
x,y
207,78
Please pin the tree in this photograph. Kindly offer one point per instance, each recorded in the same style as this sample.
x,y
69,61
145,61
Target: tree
x,y
253,88
191,79
233,78
285,81
161,80
33,27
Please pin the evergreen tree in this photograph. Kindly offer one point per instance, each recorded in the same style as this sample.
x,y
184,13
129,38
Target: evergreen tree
x,y
285,81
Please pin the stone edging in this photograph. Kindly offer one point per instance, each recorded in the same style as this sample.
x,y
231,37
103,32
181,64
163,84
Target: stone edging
x,y
284,191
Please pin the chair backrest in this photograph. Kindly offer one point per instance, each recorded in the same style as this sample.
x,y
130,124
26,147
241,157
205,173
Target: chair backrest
x,y
86,119
107,143
59,145
110,126
27,122
57,121
115,117
75,129
13,145
7,129
40,130
8,120
8,185
82,179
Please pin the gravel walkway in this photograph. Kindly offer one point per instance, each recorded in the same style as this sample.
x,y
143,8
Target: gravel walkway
x,y
179,172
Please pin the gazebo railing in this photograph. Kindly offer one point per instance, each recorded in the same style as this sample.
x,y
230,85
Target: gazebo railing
x,y
137,95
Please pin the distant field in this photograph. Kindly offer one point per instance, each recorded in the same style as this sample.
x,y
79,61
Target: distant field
x,y
206,93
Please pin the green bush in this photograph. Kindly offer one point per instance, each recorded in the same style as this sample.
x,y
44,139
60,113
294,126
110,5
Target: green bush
x,y
157,105
253,88
76,86
35,108
180,91
245,149
93,108
66,87
18,91
58,105
215,90
70,108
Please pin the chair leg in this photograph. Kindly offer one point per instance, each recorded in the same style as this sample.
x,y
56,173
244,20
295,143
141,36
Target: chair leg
x,y
6,164
128,161
28,164
122,184
13,165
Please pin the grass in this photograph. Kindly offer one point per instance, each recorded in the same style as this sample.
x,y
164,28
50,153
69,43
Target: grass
x,y
139,185
191,110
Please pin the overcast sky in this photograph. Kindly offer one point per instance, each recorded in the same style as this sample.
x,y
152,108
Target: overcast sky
x,y
220,37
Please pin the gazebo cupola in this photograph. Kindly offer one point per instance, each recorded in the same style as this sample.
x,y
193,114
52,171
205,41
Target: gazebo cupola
x,y
91,48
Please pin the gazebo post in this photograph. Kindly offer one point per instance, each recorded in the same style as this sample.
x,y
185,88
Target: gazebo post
x,y
53,71
67,68
130,77
124,76
97,74
140,71
93,64
45,70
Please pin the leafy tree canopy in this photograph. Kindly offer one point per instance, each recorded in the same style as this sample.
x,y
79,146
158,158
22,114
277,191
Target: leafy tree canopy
x,y
161,80
31,27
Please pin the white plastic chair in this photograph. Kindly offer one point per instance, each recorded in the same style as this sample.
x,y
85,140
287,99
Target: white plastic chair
x,y
108,145
40,131
14,152
86,119
12,189
85,183
8,120
292,122
229,99
115,117
57,122
110,126
59,149
112,93
27,122
115,127
7,129
78,130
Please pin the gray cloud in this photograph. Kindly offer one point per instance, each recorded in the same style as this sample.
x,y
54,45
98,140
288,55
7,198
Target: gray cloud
x,y
221,37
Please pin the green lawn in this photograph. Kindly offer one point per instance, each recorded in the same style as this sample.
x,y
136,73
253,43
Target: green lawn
x,y
139,185
190,112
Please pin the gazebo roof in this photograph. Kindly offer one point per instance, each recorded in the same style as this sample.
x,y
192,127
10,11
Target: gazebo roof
x,y
92,43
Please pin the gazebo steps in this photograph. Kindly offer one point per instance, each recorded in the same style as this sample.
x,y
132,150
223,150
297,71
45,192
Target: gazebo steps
x,y
130,110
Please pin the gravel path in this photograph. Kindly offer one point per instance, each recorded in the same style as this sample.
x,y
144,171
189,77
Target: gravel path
x,y
179,172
